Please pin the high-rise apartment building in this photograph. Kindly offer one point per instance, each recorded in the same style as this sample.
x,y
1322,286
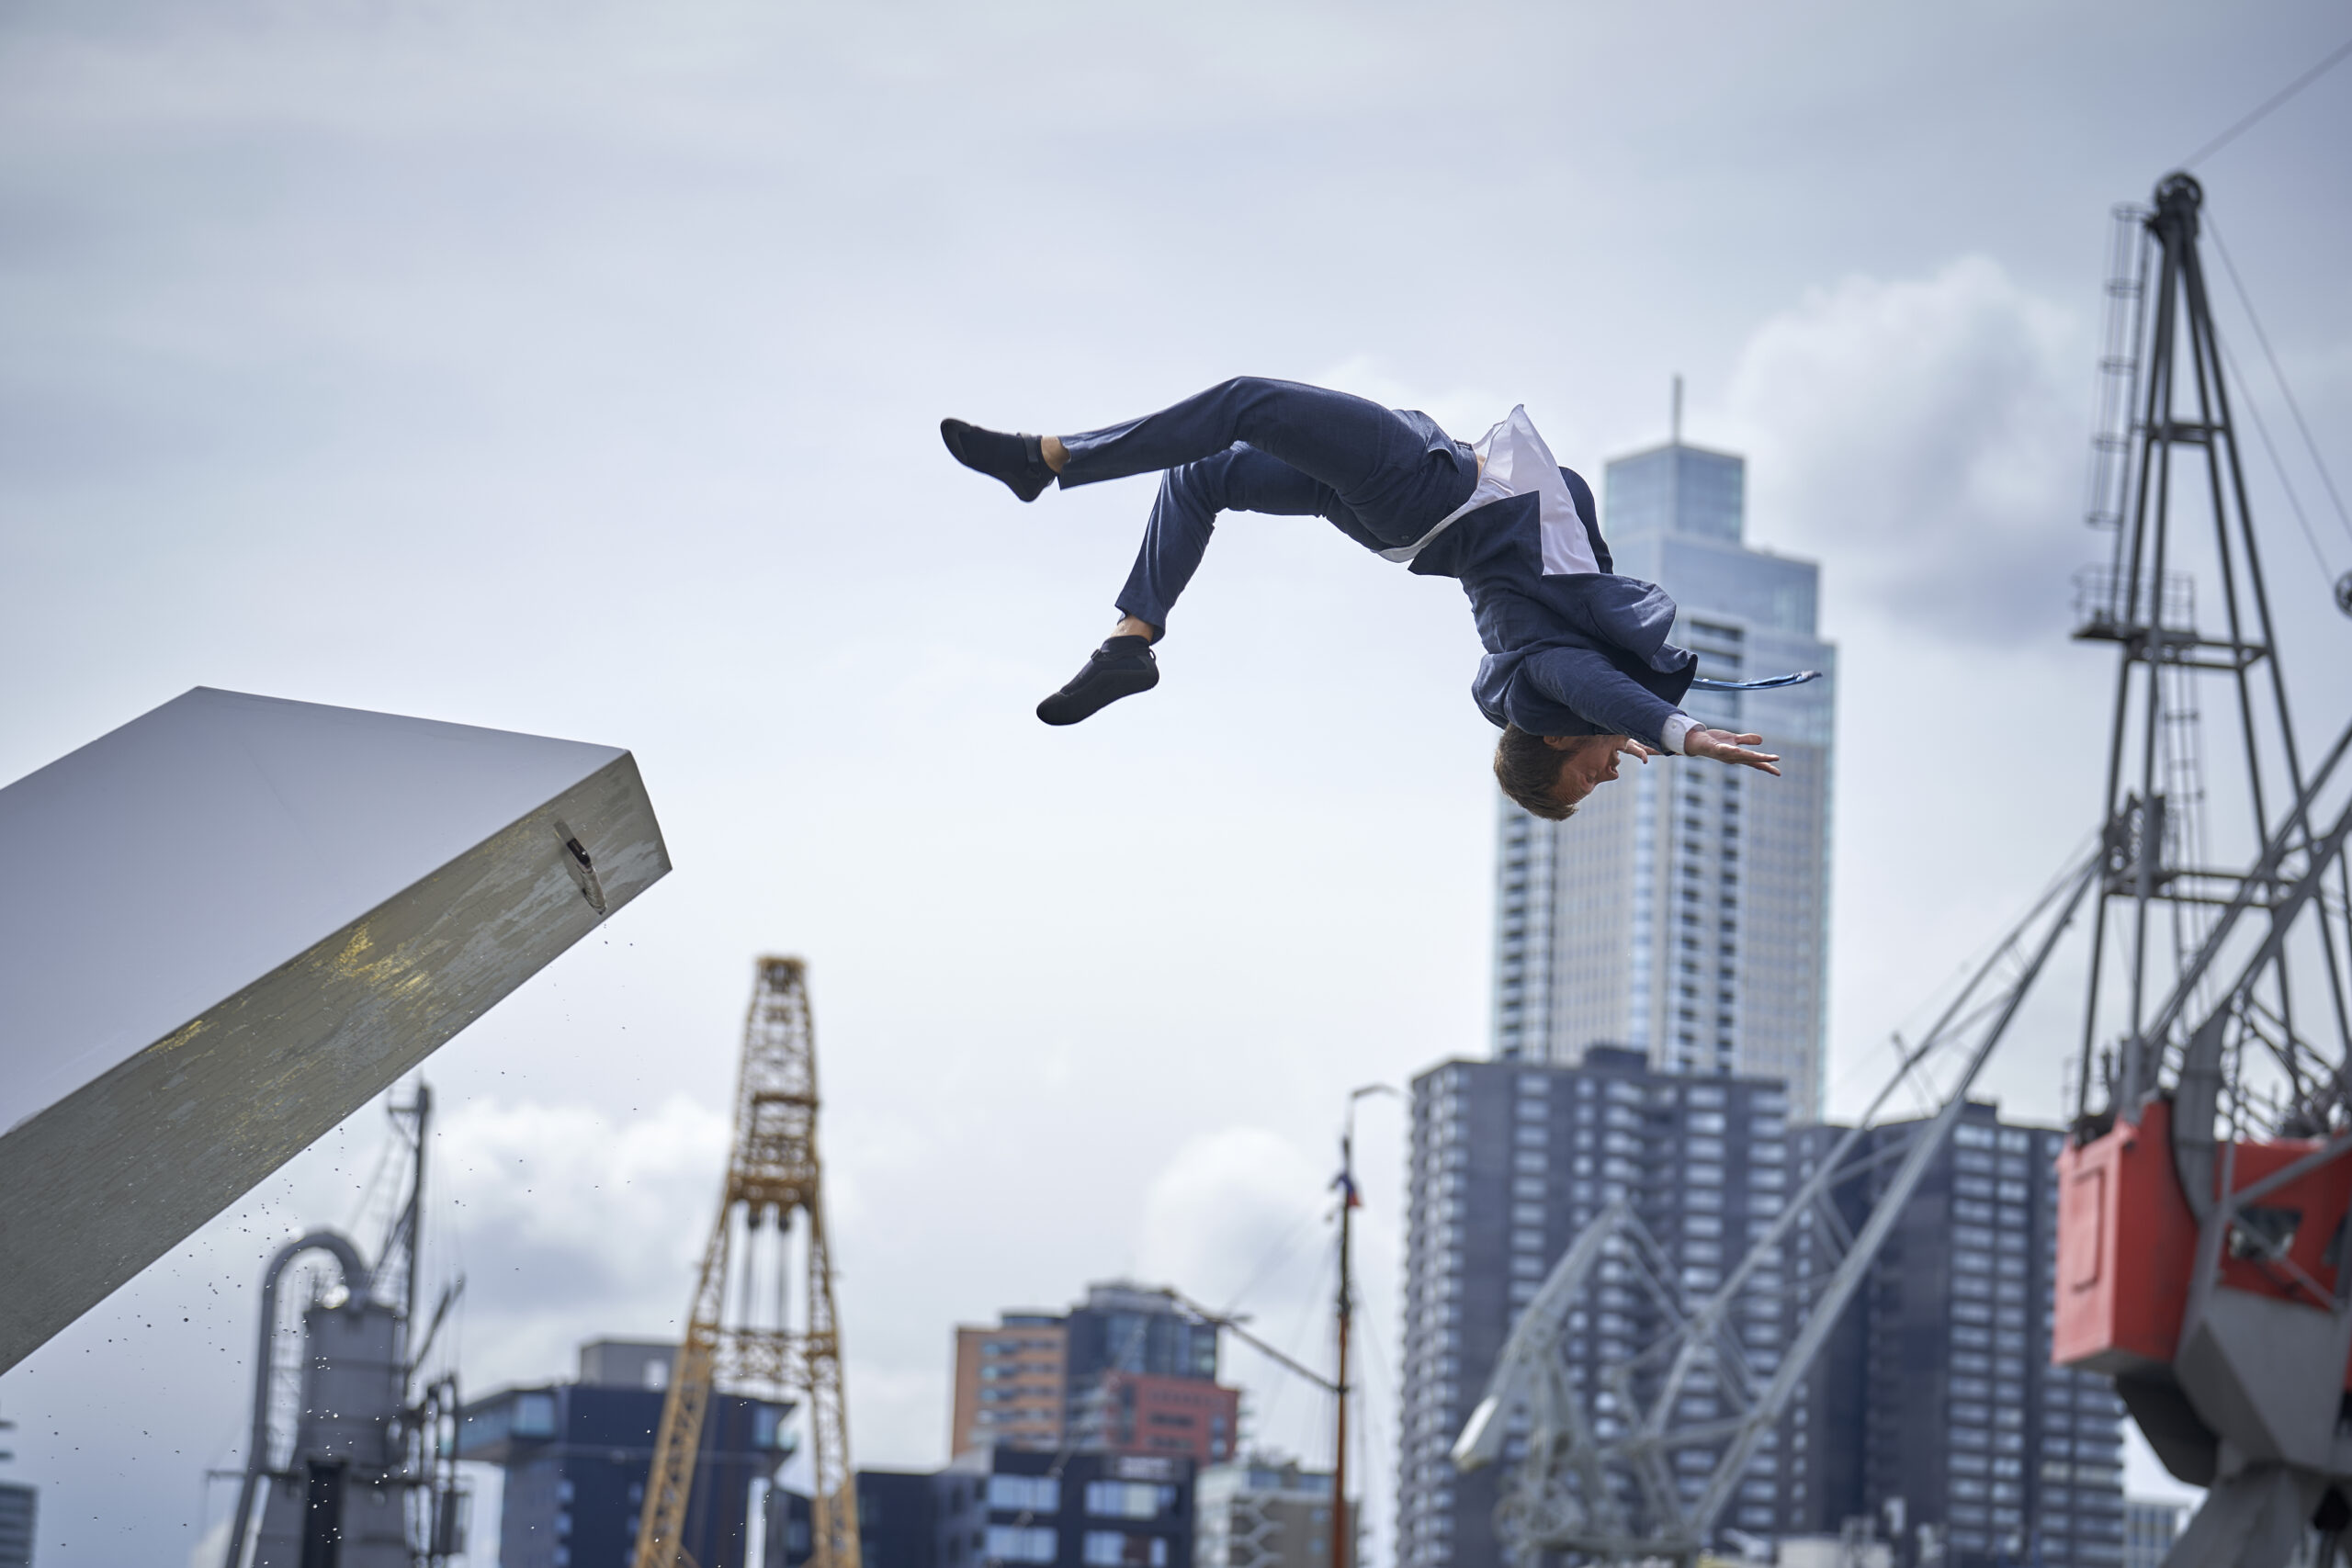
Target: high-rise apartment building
x,y
1936,1395
1934,1403
1684,911
2150,1526
1124,1371
1012,1383
1510,1161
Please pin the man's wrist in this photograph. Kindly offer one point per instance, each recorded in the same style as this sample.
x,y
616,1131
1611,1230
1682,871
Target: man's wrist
x,y
1675,734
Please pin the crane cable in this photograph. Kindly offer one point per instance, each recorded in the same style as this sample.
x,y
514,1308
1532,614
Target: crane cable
x,y
2274,101
2279,374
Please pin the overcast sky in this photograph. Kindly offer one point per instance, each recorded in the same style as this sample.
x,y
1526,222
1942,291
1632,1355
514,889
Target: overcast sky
x,y
573,368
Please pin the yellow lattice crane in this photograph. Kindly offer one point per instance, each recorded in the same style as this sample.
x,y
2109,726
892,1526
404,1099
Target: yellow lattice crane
x,y
772,1173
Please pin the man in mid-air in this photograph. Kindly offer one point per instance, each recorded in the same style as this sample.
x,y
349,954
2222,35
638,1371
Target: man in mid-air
x,y
1578,671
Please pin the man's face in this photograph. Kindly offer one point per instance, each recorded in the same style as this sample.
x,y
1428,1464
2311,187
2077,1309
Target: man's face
x,y
1585,762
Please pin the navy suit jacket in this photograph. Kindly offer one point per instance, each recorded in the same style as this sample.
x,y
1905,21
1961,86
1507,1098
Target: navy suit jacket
x,y
1580,655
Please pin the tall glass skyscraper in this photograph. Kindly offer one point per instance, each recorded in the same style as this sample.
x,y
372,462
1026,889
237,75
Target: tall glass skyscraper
x,y
1684,912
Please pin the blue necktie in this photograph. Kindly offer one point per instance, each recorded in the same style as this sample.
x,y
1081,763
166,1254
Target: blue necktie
x,y
1799,679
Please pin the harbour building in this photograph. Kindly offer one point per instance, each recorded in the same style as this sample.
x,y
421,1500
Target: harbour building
x,y
1932,1412
577,1456
1510,1161
1126,1370
998,1508
1935,1401
1684,912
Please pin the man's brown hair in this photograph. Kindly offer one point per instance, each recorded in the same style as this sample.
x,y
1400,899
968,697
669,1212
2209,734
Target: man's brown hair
x,y
1529,769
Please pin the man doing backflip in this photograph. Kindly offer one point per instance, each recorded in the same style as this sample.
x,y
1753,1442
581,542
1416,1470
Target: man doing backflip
x,y
1578,671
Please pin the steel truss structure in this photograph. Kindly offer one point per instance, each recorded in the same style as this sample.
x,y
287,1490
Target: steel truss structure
x,y
2161,887
2217,998
772,1175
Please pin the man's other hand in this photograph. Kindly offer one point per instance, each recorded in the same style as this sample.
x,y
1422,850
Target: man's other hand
x,y
1724,746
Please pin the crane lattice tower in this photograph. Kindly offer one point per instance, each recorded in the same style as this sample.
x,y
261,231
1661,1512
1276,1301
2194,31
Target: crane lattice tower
x,y
772,1174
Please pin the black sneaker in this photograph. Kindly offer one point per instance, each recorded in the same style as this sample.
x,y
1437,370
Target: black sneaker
x,y
1120,668
1018,460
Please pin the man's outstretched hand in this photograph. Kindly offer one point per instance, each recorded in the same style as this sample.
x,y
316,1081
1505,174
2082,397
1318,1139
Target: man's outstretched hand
x,y
1724,746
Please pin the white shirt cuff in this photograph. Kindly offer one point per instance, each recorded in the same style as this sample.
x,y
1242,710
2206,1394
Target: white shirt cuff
x,y
1677,726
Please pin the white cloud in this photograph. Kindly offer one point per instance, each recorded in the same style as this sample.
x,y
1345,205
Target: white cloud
x,y
572,1223
1227,1203
1926,436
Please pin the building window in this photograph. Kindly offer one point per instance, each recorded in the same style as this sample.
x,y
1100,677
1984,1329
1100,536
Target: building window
x,y
1126,1499
533,1415
1021,1543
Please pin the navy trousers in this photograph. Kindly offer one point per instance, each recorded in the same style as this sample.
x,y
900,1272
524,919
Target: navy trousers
x,y
1384,477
